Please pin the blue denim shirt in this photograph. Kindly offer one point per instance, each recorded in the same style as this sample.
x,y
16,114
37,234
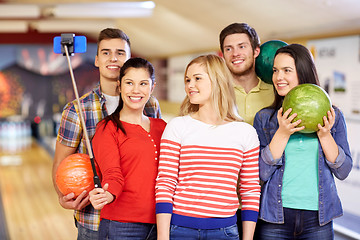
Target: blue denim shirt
x,y
272,170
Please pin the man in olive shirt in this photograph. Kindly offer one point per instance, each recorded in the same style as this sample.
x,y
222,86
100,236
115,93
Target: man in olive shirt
x,y
240,46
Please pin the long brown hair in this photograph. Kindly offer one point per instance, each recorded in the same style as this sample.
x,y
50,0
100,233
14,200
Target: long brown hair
x,y
305,69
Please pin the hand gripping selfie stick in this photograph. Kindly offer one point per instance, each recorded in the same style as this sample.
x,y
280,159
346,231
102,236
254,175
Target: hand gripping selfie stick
x,y
68,47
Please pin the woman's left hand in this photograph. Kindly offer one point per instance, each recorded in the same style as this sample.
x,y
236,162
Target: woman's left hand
x,y
328,123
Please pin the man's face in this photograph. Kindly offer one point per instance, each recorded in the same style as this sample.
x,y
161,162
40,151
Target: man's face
x,y
238,54
112,54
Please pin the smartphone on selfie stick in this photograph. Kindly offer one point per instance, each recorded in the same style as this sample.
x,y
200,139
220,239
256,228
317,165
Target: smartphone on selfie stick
x,y
68,44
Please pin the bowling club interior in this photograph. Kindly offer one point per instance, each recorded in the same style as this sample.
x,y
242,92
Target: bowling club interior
x,y
35,83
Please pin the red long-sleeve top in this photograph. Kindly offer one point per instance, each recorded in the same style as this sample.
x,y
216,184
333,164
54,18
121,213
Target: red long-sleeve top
x,y
129,164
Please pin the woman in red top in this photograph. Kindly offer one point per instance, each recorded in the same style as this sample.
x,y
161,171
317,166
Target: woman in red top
x,y
126,149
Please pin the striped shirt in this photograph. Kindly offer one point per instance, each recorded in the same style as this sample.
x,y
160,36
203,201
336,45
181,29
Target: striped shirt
x,y
199,168
71,134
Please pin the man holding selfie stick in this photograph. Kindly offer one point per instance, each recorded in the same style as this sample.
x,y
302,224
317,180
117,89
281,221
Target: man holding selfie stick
x,y
113,50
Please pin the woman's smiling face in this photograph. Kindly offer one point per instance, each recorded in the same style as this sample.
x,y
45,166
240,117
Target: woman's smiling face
x,y
285,75
198,84
136,87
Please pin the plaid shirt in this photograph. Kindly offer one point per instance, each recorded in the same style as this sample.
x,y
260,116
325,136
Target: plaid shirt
x,y
71,134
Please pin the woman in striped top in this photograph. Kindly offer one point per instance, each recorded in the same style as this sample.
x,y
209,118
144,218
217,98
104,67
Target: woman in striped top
x,y
207,156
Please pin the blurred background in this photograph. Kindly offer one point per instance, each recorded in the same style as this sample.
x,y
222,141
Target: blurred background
x,y
35,83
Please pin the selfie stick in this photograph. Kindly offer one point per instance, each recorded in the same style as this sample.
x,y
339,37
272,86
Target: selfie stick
x,y
67,41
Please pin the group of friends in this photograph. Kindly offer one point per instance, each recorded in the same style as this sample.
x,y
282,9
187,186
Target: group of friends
x,y
198,176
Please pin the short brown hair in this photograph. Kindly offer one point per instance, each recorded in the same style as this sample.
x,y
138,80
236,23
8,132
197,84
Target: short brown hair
x,y
240,28
111,33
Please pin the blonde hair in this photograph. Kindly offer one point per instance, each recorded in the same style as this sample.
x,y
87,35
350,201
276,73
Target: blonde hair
x,y
222,89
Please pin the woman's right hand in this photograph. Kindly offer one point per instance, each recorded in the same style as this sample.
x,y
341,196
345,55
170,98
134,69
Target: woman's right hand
x,y
286,127
282,135
99,197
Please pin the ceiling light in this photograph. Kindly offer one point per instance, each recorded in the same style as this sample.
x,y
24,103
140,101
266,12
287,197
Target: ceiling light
x,y
19,11
72,26
13,26
104,10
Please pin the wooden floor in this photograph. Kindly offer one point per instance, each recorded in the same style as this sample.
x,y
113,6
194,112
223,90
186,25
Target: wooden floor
x,y
30,203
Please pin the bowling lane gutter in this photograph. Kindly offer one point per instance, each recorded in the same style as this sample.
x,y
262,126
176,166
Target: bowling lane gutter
x,y
4,234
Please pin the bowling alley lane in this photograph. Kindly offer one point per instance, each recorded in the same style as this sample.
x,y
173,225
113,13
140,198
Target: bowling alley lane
x,y
30,208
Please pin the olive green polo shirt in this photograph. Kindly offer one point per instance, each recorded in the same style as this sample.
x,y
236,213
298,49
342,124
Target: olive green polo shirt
x,y
250,103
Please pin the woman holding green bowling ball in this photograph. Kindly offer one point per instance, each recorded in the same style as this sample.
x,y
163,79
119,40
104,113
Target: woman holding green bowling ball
x,y
299,197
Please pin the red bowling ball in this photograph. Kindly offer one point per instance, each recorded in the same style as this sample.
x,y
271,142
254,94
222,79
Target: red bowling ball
x,y
75,174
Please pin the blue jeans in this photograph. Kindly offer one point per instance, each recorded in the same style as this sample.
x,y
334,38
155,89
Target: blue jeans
x,y
86,234
112,230
181,233
298,224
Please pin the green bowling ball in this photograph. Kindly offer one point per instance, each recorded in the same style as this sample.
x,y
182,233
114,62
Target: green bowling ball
x,y
264,62
310,102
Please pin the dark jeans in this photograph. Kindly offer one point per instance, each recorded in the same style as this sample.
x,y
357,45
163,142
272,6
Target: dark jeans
x,y
86,234
185,233
299,224
112,230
